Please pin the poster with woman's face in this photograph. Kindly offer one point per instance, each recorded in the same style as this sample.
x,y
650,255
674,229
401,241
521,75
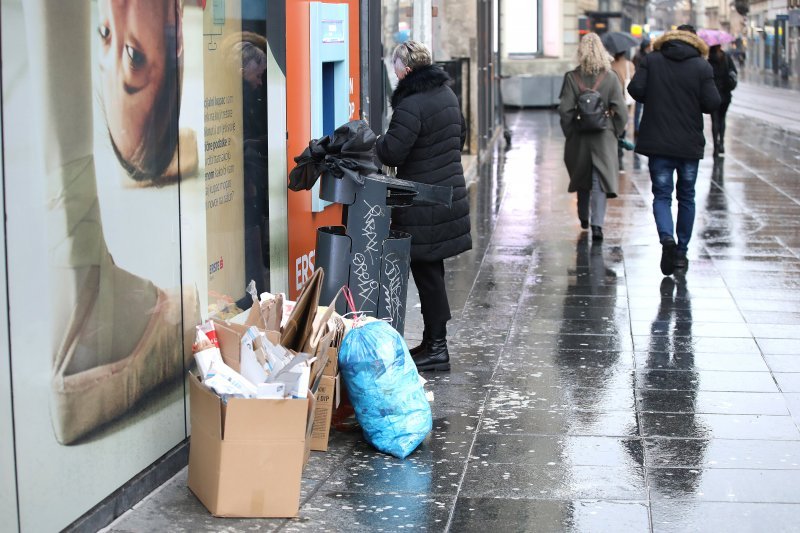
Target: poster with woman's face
x,y
108,114
135,166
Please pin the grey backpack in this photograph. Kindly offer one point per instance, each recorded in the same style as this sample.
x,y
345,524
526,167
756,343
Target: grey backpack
x,y
591,111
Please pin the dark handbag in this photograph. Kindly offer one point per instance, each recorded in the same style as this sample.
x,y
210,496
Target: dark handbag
x,y
733,79
733,76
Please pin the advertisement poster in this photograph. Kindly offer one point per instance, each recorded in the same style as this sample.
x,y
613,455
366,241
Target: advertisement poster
x,y
8,497
223,53
138,144
99,148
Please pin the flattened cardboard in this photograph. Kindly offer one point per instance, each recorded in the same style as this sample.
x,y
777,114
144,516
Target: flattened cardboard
x,y
326,401
267,315
332,366
300,323
230,341
246,457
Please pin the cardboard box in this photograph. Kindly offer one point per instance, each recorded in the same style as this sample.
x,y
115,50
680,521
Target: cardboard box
x,y
246,458
327,400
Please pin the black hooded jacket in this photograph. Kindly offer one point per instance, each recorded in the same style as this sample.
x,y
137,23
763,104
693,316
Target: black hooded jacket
x,y
676,85
722,65
424,142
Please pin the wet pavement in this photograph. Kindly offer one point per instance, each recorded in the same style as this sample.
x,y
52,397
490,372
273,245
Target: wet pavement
x,y
588,392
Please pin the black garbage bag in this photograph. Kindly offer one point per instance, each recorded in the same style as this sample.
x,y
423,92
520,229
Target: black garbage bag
x,y
348,151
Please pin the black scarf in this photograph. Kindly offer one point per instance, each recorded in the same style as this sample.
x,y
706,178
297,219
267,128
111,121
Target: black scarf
x,y
419,80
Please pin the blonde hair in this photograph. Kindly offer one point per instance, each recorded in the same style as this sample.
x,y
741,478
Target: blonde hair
x,y
412,54
592,55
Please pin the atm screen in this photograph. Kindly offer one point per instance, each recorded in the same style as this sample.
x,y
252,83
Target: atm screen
x,y
332,31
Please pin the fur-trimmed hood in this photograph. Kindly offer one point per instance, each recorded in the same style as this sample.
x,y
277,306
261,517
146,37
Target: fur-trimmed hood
x,y
419,80
675,38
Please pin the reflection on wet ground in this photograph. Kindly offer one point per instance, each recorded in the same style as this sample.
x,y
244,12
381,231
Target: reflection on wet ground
x,y
588,392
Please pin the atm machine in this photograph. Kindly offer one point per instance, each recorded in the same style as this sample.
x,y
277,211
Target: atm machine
x,y
330,79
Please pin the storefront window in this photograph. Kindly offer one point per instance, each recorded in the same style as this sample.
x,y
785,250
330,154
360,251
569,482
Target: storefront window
x,y
520,27
135,194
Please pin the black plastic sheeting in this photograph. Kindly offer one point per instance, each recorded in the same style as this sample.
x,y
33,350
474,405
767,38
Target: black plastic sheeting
x,y
348,152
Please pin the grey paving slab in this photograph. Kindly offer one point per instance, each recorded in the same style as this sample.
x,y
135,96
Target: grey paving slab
x,y
480,515
732,362
725,485
725,426
723,453
680,516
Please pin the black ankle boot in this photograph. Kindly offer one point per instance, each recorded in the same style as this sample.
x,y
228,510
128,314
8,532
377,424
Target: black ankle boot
x,y
434,357
421,346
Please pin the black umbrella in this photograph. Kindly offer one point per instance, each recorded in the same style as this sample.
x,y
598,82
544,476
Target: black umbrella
x,y
617,41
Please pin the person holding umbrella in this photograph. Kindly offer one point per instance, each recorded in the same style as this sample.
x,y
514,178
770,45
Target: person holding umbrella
x,y
644,49
618,45
625,70
725,78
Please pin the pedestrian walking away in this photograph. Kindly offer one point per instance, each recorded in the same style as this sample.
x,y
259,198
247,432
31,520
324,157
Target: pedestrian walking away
x,y
644,48
625,70
424,141
591,156
676,85
726,79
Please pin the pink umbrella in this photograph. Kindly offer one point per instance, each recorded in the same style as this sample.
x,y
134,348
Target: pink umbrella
x,y
715,37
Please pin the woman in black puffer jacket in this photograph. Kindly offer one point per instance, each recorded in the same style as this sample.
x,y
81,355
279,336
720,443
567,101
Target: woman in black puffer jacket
x,y
424,142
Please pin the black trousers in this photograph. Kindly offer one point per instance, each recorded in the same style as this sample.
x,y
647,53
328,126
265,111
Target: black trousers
x,y
718,123
429,278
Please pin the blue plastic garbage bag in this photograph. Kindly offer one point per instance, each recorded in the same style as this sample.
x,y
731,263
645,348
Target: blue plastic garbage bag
x,y
384,388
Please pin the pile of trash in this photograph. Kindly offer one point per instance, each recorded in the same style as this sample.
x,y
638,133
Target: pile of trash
x,y
261,365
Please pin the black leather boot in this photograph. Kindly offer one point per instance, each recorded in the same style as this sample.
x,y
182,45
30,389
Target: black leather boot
x,y
419,348
434,357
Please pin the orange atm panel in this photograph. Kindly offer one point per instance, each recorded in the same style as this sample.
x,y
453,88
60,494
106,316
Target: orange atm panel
x,y
303,222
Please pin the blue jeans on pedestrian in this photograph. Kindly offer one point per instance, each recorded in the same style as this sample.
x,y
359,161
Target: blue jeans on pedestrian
x,y
661,174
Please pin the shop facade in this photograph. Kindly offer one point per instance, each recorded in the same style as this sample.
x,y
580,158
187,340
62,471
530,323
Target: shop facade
x,y
145,153
144,168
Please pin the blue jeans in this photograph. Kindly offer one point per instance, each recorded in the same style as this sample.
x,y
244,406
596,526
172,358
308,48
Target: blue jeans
x,y
661,172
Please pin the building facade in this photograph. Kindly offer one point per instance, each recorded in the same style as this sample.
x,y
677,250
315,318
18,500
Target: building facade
x,y
145,152
536,56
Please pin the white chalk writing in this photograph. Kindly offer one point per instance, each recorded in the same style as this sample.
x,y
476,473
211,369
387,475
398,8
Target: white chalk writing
x,y
373,212
366,286
392,288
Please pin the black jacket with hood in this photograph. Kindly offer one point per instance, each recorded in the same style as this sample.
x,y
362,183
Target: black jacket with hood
x,y
424,142
722,64
676,85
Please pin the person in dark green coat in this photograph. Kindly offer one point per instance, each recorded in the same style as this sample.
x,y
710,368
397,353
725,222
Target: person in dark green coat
x,y
591,157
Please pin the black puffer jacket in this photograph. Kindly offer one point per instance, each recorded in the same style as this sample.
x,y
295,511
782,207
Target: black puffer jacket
x,y
676,85
424,142
722,65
